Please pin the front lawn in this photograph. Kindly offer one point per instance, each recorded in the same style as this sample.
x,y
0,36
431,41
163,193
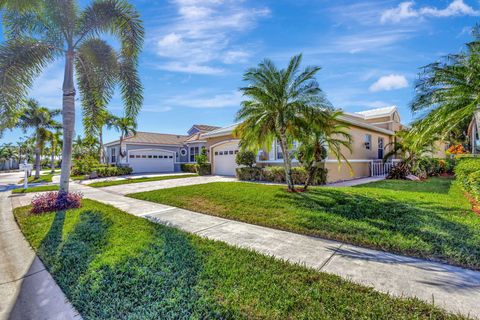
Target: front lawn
x,y
47,177
112,265
52,187
429,219
138,180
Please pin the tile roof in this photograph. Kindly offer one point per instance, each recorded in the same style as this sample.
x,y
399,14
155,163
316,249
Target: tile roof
x,y
194,137
156,138
205,127
379,112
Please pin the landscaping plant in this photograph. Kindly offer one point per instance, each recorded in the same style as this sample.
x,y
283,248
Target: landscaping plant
x,y
246,158
55,201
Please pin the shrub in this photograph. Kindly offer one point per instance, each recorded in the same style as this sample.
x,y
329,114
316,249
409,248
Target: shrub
x,y
55,201
84,165
277,174
106,171
202,157
189,167
465,167
204,169
399,172
245,158
250,174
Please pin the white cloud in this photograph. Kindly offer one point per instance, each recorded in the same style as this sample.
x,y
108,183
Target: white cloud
x,y
406,10
201,100
203,32
390,82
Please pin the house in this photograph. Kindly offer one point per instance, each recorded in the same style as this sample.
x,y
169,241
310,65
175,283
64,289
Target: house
x,y
158,152
372,132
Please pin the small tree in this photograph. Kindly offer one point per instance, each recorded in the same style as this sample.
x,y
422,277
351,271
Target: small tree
x,y
245,158
202,158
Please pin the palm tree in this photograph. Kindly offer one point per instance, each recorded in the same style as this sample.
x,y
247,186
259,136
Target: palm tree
x,y
321,138
126,126
39,32
41,120
449,90
55,140
8,153
280,104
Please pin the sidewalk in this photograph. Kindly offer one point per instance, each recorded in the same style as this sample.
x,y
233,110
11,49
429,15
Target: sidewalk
x,y
452,288
28,291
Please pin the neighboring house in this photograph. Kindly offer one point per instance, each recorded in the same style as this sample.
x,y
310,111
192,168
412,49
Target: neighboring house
x,y
371,130
158,152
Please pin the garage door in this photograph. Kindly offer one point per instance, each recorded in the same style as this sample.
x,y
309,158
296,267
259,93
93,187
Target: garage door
x,y
224,159
151,161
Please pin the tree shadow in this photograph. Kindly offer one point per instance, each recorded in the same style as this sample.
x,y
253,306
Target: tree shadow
x,y
158,282
419,228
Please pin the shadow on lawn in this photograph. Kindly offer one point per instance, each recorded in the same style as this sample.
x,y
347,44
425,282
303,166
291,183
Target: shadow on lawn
x,y
159,282
420,228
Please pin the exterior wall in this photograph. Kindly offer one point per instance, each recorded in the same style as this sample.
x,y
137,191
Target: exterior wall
x,y
359,151
200,145
344,172
211,141
117,152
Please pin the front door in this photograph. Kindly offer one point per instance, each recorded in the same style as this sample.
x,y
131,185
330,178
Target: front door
x,y
380,148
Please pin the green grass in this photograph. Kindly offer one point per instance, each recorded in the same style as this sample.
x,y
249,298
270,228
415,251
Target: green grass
x,y
47,177
37,189
138,180
112,265
429,219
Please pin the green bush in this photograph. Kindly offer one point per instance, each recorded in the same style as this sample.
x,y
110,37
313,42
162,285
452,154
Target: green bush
x,y
106,171
204,169
202,158
277,174
245,158
84,165
467,173
189,167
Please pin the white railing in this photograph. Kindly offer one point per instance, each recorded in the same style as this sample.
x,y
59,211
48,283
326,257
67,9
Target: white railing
x,y
378,168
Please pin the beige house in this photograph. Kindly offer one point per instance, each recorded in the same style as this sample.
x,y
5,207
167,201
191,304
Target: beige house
x,y
372,131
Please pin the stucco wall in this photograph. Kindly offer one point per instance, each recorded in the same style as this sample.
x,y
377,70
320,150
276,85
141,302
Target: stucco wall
x,y
344,172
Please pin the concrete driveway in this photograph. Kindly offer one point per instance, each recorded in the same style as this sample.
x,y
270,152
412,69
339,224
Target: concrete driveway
x,y
163,184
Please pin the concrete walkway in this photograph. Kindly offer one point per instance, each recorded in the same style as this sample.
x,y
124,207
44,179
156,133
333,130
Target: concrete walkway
x,y
354,182
27,290
163,184
452,288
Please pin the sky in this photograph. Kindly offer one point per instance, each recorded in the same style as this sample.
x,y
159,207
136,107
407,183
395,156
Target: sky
x,y
196,52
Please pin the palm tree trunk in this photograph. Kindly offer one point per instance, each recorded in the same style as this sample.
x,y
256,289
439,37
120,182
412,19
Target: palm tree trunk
x,y
287,163
52,163
102,147
68,119
37,157
310,174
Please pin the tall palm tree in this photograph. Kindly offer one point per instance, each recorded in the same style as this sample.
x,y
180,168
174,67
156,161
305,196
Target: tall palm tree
x,y
38,32
319,139
41,120
8,153
279,104
448,91
126,126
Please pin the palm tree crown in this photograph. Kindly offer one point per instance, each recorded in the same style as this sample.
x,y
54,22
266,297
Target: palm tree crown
x,y
449,91
278,104
38,32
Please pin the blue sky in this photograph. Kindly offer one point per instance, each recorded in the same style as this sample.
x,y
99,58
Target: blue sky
x,y
197,50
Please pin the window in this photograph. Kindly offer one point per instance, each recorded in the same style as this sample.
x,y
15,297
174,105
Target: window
x,y
230,152
155,157
137,156
194,151
132,156
368,141
171,157
183,152
144,156
216,153
149,156
113,156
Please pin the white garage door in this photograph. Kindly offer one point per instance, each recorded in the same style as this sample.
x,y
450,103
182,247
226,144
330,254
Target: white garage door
x,y
151,161
224,159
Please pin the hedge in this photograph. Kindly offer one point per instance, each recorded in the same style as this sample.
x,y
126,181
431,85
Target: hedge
x,y
202,169
467,173
277,174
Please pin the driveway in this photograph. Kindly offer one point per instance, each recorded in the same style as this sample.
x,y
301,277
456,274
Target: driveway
x,y
163,184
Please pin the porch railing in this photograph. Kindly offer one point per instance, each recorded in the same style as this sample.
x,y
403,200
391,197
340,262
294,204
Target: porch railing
x,y
378,168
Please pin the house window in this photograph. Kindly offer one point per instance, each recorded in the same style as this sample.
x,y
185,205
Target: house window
x,y
132,156
278,150
368,141
194,151
113,157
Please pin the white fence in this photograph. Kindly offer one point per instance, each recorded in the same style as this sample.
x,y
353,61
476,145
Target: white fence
x,y
378,168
